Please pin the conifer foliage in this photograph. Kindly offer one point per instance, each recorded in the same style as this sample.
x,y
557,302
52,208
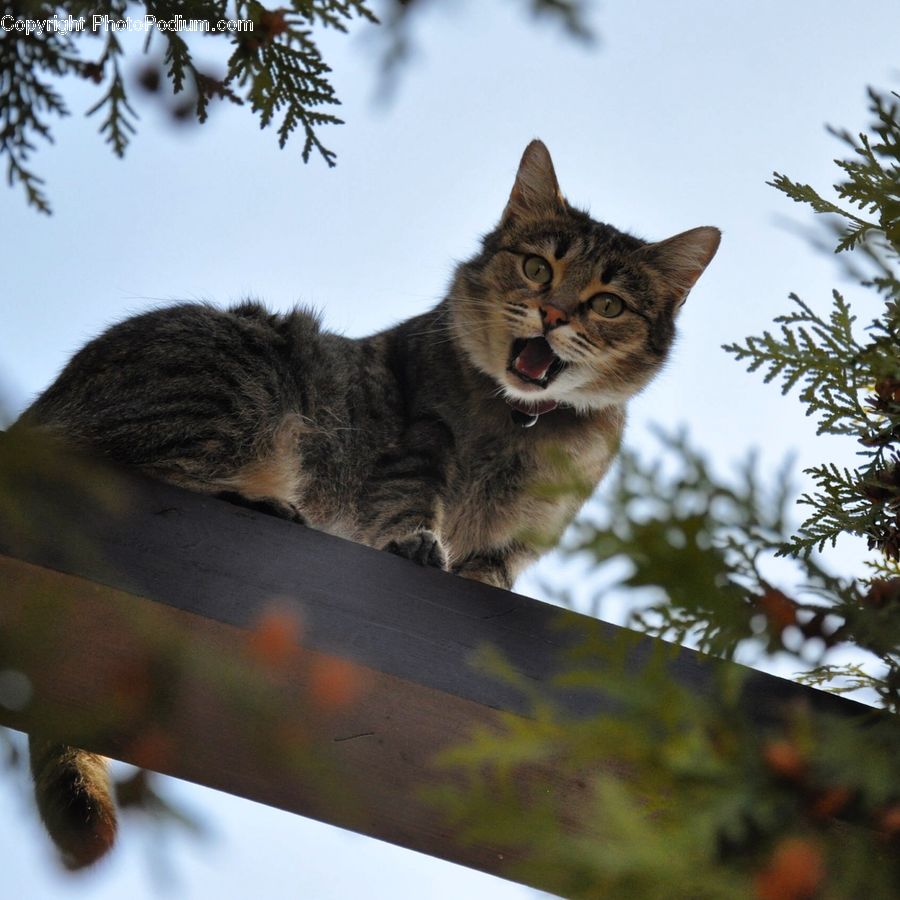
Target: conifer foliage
x,y
274,66
685,795
271,64
849,376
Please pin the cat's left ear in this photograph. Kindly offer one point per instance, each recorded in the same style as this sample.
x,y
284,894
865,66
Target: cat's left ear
x,y
682,259
536,192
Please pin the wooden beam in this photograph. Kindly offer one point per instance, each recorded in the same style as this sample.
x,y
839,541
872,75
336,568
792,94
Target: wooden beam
x,y
154,626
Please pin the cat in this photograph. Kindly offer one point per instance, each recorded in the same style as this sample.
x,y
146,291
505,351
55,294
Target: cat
x,y
428,439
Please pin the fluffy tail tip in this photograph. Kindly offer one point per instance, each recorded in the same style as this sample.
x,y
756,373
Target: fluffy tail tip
x,y
74,798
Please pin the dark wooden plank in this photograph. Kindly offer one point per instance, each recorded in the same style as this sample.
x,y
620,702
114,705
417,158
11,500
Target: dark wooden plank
x,y
208,557
106,567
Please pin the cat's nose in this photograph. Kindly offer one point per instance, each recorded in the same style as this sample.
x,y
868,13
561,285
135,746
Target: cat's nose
x,y
552,317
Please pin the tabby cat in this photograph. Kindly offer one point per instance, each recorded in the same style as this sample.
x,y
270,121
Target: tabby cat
x,y
426,440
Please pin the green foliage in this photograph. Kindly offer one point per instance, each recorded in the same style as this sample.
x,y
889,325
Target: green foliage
x,y
682,794
708,548
289,77
694,537
679,794
871,182
27,99
821,354
274,65
851,385
120,119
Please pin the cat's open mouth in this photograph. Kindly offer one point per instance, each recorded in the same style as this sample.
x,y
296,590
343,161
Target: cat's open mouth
x,y
534,362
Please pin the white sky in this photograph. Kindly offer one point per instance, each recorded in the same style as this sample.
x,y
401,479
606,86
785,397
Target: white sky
x,y
678,119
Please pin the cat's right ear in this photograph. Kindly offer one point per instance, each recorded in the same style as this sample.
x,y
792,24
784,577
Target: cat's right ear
x,y
684,257
536,192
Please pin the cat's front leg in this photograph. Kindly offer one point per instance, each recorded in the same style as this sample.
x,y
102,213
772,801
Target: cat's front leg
x,y
412,531
401,506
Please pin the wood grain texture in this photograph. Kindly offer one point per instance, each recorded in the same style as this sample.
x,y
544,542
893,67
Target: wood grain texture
x,y
136,614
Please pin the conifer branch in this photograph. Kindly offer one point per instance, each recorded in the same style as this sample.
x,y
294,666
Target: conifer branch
x,y
276,69
871,180
823,355
29,101
119,123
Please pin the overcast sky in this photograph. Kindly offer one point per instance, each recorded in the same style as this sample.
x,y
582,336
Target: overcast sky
x,y
676,119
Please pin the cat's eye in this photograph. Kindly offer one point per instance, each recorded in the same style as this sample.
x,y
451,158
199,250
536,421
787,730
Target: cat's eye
x,y
608,305
537,269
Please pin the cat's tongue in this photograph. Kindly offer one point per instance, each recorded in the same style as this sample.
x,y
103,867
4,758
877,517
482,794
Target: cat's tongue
x,y
535,358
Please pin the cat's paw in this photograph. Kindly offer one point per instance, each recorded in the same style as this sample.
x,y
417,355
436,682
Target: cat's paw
x,y
423,547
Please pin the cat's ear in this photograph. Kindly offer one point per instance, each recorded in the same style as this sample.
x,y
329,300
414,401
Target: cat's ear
x,y
536,191
682,259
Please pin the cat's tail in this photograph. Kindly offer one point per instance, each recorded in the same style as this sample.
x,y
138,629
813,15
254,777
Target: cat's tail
x,y
75,799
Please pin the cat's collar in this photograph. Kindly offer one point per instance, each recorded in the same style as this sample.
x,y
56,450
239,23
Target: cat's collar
x,y
526,413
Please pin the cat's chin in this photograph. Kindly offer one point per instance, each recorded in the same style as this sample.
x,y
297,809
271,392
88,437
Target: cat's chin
x,y
535,407
528,397
584,399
